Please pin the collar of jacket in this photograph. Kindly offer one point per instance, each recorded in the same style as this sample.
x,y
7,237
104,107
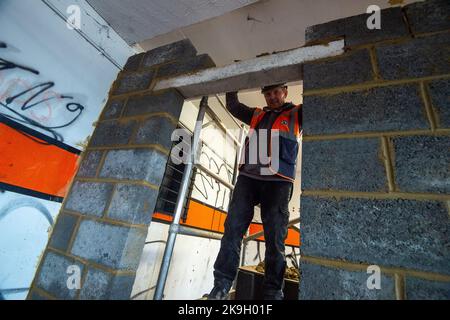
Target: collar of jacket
x,y
285,106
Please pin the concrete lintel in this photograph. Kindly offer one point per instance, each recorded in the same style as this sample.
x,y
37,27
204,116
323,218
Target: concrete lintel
x,y
280,67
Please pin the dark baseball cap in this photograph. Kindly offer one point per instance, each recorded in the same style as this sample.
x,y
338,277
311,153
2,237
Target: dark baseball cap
x,y
272,86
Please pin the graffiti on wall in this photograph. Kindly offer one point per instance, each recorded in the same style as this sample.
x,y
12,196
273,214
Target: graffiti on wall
x,y
34,162
19,99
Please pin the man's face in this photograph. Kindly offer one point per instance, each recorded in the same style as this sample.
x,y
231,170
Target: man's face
x,y
276,97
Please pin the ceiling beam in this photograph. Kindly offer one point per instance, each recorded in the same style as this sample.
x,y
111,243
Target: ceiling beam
x,y
284,66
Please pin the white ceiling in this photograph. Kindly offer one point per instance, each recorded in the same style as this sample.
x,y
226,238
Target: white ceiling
x,y
137,20
263,27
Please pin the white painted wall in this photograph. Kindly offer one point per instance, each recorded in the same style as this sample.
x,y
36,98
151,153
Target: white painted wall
x,y
191,270
25,223
39,39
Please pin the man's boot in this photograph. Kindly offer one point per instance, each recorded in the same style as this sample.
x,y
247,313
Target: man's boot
x,y
218,293
271,294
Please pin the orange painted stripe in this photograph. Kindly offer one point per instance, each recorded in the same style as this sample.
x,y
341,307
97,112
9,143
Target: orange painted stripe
x,y
255,228
206,218
36,166
199,216
222,222
292,239
162,216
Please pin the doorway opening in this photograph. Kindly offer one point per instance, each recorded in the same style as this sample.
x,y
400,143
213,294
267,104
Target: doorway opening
x,y
204,210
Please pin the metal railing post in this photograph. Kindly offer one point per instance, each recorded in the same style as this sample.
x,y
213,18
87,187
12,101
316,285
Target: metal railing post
x,y
238,154
174,227
244,249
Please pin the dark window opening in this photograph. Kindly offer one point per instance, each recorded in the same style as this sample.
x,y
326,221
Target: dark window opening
x,y
171,184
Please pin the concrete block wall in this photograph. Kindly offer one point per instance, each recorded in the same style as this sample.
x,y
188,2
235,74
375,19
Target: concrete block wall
x,y
376,158
105,217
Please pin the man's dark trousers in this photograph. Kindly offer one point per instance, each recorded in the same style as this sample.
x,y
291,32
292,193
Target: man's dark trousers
x,y
274,198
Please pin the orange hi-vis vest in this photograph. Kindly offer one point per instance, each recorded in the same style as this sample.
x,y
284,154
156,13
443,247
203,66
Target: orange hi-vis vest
x,y
289,139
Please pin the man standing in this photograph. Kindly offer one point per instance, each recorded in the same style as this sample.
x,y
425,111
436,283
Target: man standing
x,y
275,131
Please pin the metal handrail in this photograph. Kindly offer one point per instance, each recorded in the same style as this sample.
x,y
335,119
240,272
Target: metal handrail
x,y
207,145
242,135
295,228
188,231
261,233
214,176
222,104
222,126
